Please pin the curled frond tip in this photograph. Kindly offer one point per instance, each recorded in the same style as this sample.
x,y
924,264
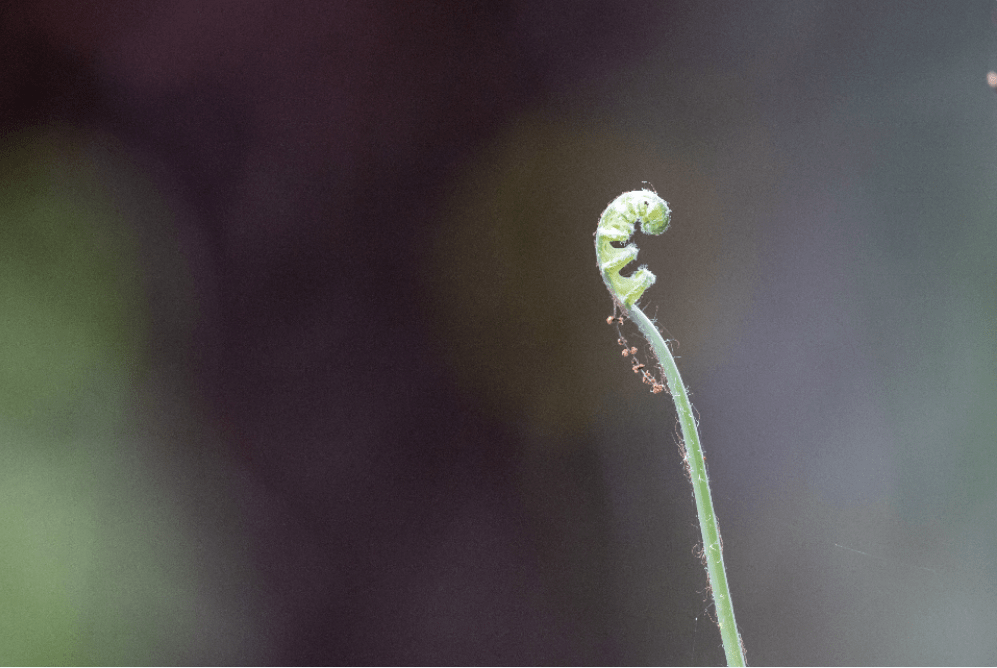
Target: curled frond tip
x,y
617,225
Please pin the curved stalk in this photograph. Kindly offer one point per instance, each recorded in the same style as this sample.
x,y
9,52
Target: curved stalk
x,y
617,225
712,546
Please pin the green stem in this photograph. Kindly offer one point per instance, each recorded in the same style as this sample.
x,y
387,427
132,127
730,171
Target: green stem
x,y
616,226
712,546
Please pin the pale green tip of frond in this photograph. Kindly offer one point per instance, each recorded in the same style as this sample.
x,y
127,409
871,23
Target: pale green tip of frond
x,y
617,225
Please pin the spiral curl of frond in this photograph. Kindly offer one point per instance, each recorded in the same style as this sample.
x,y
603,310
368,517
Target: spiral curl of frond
x,y
617,225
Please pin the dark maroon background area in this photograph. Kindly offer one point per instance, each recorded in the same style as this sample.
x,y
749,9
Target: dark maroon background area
x,y
307,143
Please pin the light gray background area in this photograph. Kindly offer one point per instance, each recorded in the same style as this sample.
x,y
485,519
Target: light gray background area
x,y
835,315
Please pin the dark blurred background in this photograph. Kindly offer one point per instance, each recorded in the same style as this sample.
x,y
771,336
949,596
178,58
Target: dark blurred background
x,y
303,354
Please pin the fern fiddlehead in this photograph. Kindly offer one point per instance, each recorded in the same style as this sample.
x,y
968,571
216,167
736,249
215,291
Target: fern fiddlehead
x,y
616,226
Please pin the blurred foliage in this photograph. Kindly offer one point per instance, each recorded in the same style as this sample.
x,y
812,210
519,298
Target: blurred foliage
x,y
69,287
97,560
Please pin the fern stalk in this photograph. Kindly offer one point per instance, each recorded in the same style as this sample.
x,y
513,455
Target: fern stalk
x,y
616,226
